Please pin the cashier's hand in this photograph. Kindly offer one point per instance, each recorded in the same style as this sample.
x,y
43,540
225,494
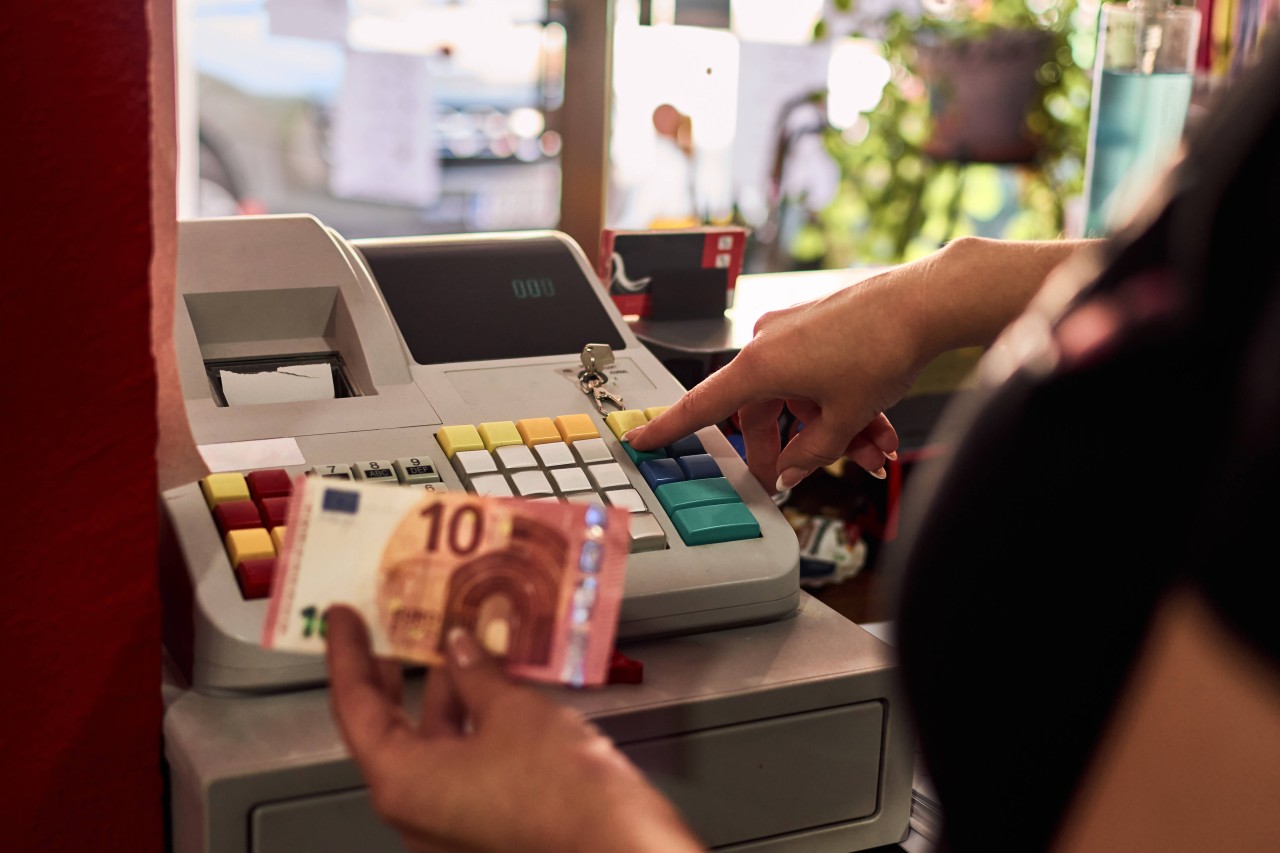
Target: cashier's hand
x,y
836,363
490,765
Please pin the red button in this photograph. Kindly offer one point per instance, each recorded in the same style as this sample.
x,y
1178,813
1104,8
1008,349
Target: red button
x,y
269,483
624,670
254,577
236,515
274,511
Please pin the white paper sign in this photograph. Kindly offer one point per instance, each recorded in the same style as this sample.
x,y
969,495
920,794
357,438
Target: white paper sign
x,y
247,455
770,76
314,19
383,146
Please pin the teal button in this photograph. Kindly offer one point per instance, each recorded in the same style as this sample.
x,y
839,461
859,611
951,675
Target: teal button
x,y
638,456
704,525
690,493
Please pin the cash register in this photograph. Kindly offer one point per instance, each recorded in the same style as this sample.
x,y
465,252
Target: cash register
x,y
494,364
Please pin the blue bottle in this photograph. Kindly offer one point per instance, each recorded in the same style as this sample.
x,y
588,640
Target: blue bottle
x,y
1142,85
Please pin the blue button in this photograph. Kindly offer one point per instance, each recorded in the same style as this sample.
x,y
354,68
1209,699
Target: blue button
x,y
699,466
661,471
686,446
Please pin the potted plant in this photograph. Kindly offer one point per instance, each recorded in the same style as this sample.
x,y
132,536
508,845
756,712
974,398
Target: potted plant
x,y
981,128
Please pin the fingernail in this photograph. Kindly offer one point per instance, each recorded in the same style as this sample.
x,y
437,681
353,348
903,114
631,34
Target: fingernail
x,y
626,436
790,477
892,456
879,473
462,647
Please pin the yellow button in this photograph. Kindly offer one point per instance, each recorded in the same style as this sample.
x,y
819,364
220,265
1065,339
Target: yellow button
x,y
277,537
624,421
497,434
653,411
229,486
576,428
253,543
454,439
537,431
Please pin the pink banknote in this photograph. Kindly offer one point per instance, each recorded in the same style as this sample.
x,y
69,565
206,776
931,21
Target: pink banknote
x,y
539,583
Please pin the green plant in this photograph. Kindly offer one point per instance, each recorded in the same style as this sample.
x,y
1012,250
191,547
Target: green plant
x,y
897,198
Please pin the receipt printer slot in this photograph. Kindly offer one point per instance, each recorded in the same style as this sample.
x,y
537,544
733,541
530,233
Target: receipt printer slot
x,y
309,376
277,345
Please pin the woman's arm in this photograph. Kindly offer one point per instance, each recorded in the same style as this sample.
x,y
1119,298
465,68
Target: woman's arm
x,y
840,361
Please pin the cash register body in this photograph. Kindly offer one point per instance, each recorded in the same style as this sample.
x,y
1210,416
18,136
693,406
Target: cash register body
x,y
280,287
785,732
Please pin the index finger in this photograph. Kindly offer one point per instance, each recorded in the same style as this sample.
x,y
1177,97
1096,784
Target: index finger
x,y
709,402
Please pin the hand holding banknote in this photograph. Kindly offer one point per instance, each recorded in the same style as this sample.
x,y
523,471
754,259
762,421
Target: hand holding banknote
x,y
540,583
489,765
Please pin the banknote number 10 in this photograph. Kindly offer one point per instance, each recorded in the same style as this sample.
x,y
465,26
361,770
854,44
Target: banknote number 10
x,y
464,528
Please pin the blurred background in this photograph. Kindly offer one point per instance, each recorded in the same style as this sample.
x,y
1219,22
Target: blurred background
x,y
840,133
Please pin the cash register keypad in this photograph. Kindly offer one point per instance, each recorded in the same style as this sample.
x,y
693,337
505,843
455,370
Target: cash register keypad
x,y
563,458
566,458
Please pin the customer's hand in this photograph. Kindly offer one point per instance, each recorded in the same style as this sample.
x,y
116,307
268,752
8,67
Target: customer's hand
x,y
490,765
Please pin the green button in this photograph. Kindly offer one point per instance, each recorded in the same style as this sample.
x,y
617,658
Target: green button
x,y
638,456
703,525
690,493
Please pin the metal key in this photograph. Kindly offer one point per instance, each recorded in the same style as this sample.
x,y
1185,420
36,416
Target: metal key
x,y
595,358
600,394
592,378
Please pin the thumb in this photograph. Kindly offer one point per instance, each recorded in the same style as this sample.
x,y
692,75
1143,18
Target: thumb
x,y
820,443
477,675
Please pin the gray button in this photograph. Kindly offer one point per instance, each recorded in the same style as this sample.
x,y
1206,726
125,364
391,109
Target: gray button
x,y
646,533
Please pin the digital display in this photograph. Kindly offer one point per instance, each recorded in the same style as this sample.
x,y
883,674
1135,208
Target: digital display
x,y
481,300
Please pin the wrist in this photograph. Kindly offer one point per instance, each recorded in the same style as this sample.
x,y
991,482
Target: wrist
x,y
975,287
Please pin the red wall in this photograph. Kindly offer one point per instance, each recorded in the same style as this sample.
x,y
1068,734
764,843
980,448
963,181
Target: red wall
x,y
79,620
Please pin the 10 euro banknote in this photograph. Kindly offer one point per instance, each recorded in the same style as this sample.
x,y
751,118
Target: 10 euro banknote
x,y
539,583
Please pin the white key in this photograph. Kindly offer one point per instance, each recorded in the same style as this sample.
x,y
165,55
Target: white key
x,y
585,498
627,499
515,457
492,485
555,454
570,480
472,463
592,450
608,475
531,483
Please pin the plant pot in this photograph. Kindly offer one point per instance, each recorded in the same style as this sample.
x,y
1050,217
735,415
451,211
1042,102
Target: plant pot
x,y
980,91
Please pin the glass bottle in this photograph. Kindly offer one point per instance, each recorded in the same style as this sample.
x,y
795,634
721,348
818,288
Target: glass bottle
x,y
1142,84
